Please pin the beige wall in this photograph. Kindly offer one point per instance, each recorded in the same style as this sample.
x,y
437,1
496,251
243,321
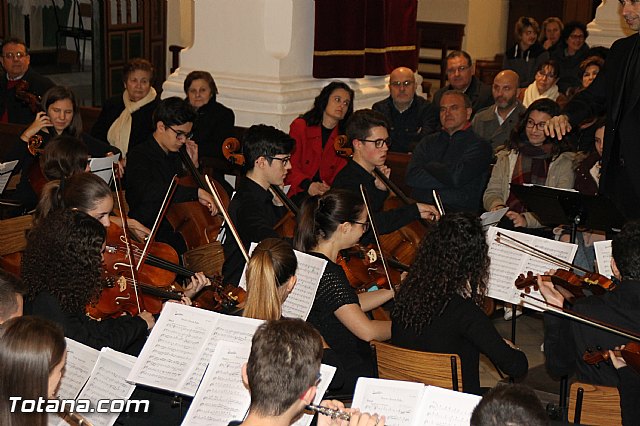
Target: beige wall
x,y
179,25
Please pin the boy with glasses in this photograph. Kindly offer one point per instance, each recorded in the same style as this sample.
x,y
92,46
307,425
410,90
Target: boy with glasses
x,y
152,164
18,83
253,209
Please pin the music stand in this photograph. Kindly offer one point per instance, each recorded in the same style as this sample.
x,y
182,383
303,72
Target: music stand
x,y
555,206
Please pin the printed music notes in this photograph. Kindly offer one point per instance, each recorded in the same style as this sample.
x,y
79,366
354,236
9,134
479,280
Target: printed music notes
x,y
5,173
603,257
102,167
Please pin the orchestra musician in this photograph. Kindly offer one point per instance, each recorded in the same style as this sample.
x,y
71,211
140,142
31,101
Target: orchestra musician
x,y
253,209
438,308
367,131
33,353
327,224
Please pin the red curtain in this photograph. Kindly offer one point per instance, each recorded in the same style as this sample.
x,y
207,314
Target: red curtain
x,y
358,37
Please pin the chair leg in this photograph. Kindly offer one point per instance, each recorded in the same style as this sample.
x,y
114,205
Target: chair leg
x,y
454,373
578,412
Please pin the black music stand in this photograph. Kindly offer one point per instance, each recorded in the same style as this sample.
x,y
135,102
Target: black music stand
x,y
555,206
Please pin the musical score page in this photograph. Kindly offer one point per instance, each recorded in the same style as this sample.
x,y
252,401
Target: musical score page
x,y
108,381
327,372
507,263
603,257
445,407
5,173
397,400
80,362
103,167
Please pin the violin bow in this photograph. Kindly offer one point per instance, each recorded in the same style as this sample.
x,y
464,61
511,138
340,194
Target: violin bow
x,y
585,320
375,235
438,200
225,214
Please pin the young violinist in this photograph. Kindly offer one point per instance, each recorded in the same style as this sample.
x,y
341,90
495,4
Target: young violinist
x,y
565,341
253,209
439,305
152,164
368,133
61,268
327,224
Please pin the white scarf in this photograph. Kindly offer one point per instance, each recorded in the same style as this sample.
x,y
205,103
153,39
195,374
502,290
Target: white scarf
x,y
120,130
532,94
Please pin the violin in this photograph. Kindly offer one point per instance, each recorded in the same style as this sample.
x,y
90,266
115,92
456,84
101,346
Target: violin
x,y
31,100
575,284
364,269
630,353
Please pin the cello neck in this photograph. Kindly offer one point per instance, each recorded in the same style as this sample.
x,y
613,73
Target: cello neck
x,y
186,160
392,186
285,200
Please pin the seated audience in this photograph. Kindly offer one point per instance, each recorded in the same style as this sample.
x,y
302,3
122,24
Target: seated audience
x,y
527,54
495,123
454,162
589,68
569,54
20,86
125,120
544,85
326,225
11,296
530,157
410,116
550,34
510,405
33,354
460,75
314,162
587,178
439,305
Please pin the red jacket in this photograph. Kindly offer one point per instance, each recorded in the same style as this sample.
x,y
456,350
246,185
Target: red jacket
x,y
308,156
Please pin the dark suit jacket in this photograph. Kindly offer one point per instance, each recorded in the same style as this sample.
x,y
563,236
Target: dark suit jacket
x,y
19,112
479,93
621,147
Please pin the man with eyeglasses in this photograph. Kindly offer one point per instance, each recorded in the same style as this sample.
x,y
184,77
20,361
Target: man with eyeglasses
x,y
410,116
254,210
617,90
19,77
460,76
152,164
367,133
454,162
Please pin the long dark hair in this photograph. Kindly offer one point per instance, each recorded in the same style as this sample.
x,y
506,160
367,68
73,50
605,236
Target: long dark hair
x,y
320,216
59,93
313,117
452,260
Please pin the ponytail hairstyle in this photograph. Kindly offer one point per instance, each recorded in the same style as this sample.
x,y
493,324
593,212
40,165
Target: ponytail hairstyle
x,y
82,191
64,156
320,216
272,264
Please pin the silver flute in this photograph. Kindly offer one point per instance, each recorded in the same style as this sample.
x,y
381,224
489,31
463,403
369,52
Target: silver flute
x,y
330,412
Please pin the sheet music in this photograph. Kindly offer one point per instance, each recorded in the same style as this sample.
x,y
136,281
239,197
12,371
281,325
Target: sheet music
x,y
80,362
397,400
108,381
221,396
327,372
507,263
102,166
603,257
309,272
444,407
175,342
5,173
491,218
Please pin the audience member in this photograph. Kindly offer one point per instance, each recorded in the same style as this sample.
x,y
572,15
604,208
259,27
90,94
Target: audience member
x,y
550,34
526,56
314,162
410,116
496,122
454,162
11,296
438,306
589,163
589,68
569,54
126,120
20,86
510,405
544,85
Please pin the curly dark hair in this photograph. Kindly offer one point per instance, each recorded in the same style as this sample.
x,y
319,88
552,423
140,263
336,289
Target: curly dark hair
x,y
571,27
63,257
313,117
452,260
625,249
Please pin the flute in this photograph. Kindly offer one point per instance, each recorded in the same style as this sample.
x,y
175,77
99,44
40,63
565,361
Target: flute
x,y
330,412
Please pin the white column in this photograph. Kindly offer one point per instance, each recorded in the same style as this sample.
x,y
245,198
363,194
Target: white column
x,y
608,25
260,53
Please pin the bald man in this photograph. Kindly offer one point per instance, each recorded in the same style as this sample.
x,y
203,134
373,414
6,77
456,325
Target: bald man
x,y
410,117
494,123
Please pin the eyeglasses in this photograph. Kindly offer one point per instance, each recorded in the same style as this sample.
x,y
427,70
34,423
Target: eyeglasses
x,y
180,135
540,126
577,36
365,225
546,75
17,55
460,69
378,142
284,160
405,83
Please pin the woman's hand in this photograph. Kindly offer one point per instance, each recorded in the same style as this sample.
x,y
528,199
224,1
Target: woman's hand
x,y
41,121
198,282
518,219
318,188
617,361
140,231
549,292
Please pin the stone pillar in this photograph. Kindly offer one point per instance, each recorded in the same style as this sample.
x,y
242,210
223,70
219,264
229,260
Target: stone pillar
x,y
260,55
608,25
